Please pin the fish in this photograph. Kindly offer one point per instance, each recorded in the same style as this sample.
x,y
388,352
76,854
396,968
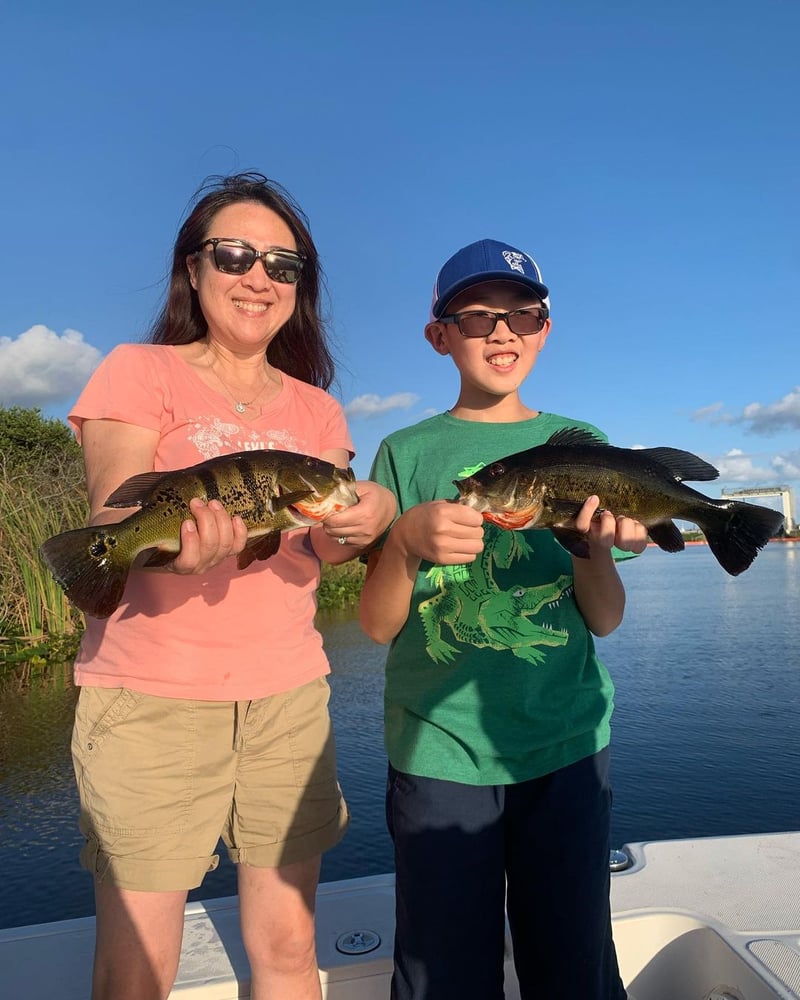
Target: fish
x,y
546,486
272,491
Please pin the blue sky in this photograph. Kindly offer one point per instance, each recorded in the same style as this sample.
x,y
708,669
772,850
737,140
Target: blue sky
x,y
646,154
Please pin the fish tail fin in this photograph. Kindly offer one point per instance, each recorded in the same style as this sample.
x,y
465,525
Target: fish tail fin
x,y
738,531
84,562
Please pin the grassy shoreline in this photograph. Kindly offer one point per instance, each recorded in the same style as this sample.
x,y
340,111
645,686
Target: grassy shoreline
x,y
43,492
339,588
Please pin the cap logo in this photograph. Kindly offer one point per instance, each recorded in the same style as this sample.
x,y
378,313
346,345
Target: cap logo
x,y
514,260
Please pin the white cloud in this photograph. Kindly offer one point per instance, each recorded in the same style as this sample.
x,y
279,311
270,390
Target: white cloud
x,y
371,405
711,414
772,417
787,466
759,418
39,367
737,467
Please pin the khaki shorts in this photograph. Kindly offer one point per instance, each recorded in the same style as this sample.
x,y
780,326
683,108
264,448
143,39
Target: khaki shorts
x,y
162,779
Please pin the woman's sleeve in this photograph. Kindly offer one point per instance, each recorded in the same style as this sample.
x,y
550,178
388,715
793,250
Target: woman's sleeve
x,y
126,386
335,432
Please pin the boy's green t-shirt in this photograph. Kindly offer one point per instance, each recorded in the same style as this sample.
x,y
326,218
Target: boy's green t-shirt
x,y
494,678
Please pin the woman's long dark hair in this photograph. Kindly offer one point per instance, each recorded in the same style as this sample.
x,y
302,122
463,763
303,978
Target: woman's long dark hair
x,y
300,348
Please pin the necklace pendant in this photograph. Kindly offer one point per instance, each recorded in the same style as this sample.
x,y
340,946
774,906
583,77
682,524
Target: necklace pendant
x,y
240,407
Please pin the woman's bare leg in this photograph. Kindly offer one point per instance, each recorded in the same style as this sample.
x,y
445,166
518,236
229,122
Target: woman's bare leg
x,y
277,912
138,944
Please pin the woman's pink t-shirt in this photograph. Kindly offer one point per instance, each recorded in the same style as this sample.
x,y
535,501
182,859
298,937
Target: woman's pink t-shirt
x,y
230,634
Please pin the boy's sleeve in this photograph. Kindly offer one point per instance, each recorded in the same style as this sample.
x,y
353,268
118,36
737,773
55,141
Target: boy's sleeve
x,y
383,472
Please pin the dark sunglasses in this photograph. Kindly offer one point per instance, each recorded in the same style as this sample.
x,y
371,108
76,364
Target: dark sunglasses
x,y
237,257
480,323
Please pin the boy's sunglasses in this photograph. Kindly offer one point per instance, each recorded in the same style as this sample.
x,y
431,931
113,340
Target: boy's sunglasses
x,y
480,323
237,257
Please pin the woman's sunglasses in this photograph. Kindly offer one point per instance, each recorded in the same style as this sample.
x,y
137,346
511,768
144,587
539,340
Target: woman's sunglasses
x,y
237,257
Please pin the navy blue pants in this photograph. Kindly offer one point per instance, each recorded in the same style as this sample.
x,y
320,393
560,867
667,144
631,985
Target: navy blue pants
x,y
465,853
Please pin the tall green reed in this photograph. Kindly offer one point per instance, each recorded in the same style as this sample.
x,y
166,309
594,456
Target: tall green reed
x,y
36,501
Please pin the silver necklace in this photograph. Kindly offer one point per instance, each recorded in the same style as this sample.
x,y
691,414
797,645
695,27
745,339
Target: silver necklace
x,y
240,405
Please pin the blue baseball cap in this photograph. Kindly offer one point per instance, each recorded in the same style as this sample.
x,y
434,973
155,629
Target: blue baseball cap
x,y
486,260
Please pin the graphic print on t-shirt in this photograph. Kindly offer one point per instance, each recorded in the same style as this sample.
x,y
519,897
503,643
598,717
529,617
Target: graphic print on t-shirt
x,y
212,437
477,612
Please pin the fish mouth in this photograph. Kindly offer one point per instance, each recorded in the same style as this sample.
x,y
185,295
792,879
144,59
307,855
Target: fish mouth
x,y
329,500
503,510
318,509
514,520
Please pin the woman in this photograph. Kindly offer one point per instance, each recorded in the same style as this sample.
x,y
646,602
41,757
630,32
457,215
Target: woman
x,y
203,704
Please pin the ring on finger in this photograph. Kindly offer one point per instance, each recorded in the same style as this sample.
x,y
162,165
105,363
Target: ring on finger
x,y
342,540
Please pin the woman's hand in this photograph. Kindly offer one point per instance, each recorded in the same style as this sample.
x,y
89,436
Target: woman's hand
x,y
210,536
360,525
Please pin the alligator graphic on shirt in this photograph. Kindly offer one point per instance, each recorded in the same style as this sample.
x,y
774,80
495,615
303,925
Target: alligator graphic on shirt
x,y
479,613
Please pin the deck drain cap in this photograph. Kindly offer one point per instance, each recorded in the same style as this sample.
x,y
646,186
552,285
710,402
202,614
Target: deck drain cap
x,y
357,942
618,861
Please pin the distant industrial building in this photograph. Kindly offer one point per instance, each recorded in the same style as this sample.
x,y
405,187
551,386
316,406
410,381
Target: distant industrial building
x,y
760,492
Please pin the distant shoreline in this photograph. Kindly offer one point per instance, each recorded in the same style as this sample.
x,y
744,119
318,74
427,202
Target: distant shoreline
x,y
702,541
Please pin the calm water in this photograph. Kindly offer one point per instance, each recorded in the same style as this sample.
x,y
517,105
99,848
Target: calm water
x,y
706,733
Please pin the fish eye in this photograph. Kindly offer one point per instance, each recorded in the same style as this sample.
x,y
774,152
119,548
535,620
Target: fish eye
x,y
498,469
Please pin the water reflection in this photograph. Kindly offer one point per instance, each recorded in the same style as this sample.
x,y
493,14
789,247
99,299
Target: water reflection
x,y
706,734
707,724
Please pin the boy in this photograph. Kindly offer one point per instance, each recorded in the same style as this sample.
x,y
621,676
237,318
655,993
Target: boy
x,y
496,707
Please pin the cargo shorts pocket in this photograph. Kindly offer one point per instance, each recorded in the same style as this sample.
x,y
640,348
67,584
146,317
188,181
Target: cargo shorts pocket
x,y
133,756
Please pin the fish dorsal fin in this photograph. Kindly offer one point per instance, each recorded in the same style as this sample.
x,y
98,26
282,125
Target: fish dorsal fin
x,y
682,464
134,491
574,436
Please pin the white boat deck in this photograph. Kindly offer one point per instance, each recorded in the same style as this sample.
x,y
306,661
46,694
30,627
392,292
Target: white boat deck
x,y
694,915
707,919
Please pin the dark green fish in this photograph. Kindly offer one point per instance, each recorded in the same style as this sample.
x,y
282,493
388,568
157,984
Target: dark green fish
x,y
546,486
272,491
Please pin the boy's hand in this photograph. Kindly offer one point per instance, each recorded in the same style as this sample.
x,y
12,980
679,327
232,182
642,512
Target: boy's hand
x,y
440,532
605,530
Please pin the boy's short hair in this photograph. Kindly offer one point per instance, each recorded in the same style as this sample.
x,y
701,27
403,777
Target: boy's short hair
x,y
485,260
